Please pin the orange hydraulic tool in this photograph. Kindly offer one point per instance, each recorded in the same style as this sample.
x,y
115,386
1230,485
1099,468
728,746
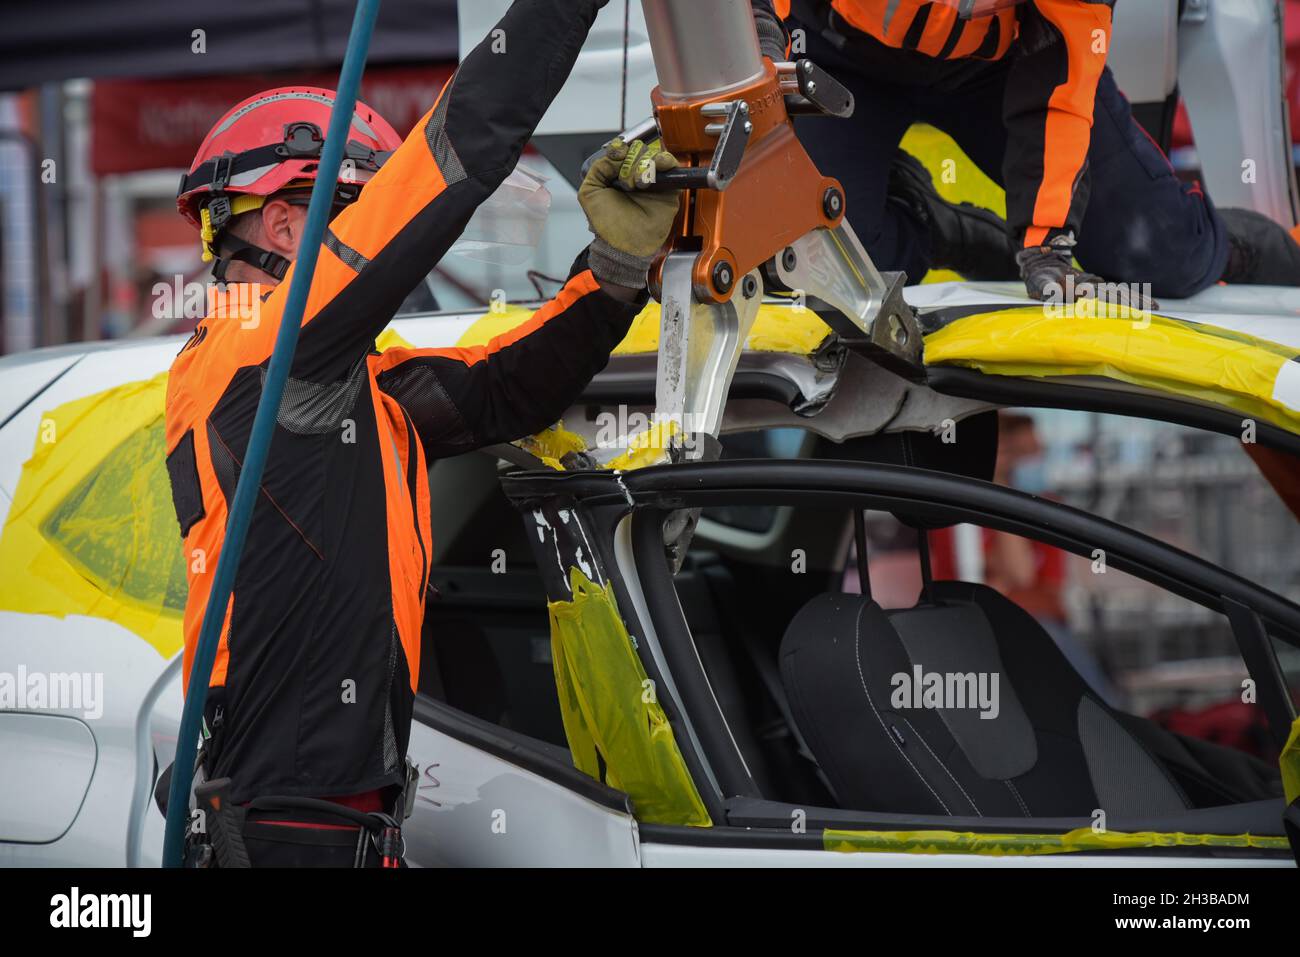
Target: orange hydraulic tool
x,y
756,213
775,194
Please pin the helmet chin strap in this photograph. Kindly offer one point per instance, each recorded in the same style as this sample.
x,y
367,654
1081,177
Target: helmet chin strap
x,y
233,249
224,248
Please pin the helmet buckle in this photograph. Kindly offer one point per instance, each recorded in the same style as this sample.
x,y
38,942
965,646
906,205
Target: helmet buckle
x,y
223,167
219,212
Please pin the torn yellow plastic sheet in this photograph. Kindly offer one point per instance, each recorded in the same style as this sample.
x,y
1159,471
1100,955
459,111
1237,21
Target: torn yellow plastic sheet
x,y
1193,360
646,448
92,530
1011,845
610,711
1290,764
553,444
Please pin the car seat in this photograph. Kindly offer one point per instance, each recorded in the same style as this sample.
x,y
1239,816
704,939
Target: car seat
x,y
1054,748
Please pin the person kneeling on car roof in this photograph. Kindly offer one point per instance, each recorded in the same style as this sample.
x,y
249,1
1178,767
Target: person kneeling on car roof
x,y
1023,87
309,710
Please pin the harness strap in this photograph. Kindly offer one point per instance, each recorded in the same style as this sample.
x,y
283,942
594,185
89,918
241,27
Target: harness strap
x,y
302,141
231,248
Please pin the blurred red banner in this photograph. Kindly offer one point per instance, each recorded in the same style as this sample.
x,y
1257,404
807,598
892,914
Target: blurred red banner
x,y
159,124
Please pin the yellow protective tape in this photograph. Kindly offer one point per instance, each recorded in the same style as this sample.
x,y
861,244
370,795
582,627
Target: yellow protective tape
x,y
1197,361
1290,763
648,447
610,711
389,339
1014,845
92,529
775,329
553,444
493,323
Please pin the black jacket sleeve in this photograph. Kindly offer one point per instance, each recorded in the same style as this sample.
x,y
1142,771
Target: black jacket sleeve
x,y
412,210
518,383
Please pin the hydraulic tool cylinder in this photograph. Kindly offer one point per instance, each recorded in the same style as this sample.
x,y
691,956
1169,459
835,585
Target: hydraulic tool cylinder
x,y
702,47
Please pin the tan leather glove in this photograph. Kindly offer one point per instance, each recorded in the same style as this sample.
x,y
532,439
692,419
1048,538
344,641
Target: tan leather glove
x,y
631,223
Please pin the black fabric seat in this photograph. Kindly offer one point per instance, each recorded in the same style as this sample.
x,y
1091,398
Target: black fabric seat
x,y
1054,748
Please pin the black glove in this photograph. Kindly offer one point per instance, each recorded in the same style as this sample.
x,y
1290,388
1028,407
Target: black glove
x,y
1050,275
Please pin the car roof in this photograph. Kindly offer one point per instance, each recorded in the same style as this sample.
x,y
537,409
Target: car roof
x,y
791,358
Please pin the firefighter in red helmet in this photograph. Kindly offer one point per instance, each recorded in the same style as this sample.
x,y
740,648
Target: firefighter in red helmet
x,y
310,700
269,146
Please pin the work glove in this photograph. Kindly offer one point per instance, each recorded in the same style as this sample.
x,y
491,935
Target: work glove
x,y
1050,275
771,35
630,221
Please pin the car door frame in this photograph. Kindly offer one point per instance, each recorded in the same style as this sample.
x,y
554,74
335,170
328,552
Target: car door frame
x,y
620,517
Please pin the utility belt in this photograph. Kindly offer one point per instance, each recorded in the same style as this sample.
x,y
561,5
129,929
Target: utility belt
x,y
290,831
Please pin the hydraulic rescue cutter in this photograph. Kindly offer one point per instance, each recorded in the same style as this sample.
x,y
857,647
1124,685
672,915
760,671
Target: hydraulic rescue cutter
x,y
757,216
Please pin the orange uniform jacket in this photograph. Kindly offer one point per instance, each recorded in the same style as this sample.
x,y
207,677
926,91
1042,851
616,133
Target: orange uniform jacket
x,y
1060,50
314,679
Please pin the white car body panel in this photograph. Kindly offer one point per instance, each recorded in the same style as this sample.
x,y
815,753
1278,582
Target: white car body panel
x,y
53,756
472,809
1144,49
1231,70
491,813
1268,312
26,378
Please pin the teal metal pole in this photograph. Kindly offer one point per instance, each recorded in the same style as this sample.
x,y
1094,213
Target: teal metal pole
x,y
259,442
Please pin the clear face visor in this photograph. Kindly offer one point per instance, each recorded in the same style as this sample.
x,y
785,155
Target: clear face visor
x,y
974,9
508,226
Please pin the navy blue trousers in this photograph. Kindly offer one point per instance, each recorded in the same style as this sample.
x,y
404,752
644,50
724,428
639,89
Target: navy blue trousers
x,y
1142,224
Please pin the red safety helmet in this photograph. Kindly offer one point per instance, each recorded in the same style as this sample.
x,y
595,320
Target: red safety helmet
x,y
269,143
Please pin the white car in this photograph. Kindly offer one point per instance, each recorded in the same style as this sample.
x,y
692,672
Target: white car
x,y
670,665
683,730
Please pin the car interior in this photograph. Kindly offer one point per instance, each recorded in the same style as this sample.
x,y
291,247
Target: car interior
x,y
803,668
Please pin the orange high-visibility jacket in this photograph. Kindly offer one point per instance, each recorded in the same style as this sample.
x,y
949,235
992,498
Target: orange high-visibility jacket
x,y
1060,48
314,679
